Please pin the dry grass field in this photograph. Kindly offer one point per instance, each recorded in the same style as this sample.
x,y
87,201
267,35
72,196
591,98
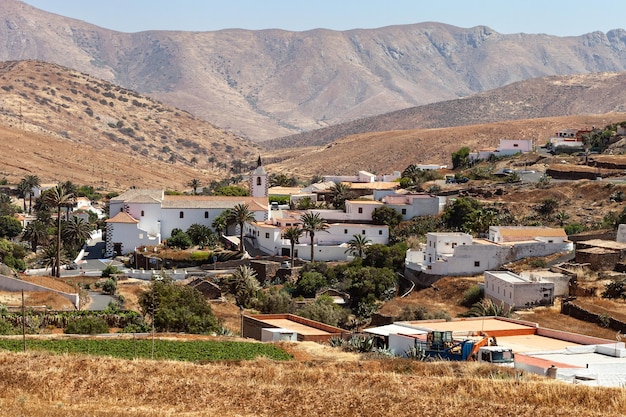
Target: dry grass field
x,y
40,384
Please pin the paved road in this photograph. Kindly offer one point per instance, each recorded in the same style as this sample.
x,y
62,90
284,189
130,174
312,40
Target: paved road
x,y
99,301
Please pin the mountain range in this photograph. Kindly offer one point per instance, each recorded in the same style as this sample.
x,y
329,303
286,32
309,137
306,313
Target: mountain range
x,y
271,83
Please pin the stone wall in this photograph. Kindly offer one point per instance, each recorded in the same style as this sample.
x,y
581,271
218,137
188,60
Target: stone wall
x,y
572,310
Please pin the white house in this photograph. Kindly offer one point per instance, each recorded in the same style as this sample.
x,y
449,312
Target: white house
x,y
517,292
505,148
459,254
361,210
412,205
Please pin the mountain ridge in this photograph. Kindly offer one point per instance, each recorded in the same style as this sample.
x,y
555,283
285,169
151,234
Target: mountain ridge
x,y
273,83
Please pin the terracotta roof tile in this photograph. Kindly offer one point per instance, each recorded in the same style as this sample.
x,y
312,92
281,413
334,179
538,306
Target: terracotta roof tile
x,y
122,217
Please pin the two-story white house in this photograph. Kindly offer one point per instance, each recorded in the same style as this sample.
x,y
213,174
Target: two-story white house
x,y
413,205
453,253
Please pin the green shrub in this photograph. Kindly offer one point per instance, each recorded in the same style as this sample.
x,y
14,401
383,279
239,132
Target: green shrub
x,y
200,256
109,271
87,325
538,263
6,327
109,286
472,295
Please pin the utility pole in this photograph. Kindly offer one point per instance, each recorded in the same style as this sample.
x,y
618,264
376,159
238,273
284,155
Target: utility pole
x,y
23,322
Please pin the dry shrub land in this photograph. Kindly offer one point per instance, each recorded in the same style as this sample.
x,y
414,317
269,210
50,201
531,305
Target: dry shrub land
x,y
40,384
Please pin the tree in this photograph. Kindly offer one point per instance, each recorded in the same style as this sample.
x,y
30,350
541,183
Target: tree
x,y
292,234
274,301
309,282
24,190
58,197
325,311
10,227
177,308
562,217
460,158
6,205
245,286
370,283
282,180
232,190
457,214
339,193
36,233
240,214
194,184
32,181
200,234
220,222
75,232
311,223
386,215
179,239
547,206
356,245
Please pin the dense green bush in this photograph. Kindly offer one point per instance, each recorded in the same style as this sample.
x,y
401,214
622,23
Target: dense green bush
x,y
87,325
472,295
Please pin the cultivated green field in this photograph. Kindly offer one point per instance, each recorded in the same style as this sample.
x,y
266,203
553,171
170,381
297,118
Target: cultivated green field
x,y
194,350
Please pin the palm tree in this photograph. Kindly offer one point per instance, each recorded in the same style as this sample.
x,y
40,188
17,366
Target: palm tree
x,y
245,285
356,245
76,231
339,193
293,234
220,222
70,188
311,223
58,197
194,184
240,214
36,233
24,189
32,181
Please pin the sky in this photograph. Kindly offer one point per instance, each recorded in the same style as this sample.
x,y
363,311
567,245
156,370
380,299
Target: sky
x,y
553,17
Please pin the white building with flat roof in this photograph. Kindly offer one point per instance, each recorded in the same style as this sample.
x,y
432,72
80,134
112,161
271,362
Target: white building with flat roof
x,y
516,292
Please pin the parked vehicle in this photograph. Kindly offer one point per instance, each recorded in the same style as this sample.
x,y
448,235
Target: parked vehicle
x,y
442,345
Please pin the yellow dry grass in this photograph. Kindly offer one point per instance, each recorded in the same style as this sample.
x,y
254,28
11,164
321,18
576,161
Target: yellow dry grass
x,y
39,384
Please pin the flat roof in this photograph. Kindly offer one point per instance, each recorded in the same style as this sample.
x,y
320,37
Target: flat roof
x,y
528,343
472,325
605,244
296,327
394,329
508,276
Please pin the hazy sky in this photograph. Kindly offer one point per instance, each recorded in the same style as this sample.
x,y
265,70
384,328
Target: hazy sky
x,y
554,17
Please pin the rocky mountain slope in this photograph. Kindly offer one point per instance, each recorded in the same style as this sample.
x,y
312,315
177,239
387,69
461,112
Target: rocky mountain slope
x,y
273,83
61,124
583,94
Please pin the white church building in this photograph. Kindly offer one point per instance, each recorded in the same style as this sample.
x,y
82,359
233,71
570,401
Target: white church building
x,y
144,217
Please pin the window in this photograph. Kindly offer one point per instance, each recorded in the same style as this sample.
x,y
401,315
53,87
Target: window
x,y
181,215
362,232
141,213
267,236
403,211
258,180
515,145
380,232
360,210
345,231
476,263
206,214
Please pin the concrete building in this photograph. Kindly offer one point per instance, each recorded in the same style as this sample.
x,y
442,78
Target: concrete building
x,y
413,205
289,327
506,147
565,356
516,292
455,253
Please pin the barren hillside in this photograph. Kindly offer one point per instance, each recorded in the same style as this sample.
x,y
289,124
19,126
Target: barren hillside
x,y
385,152
61,124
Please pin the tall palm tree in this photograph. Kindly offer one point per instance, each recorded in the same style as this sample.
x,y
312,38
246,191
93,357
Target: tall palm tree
x,y
311,223
240,214
70,188
32,181
293,234
356,245
24,189
36,233
76,231
58,197
194,184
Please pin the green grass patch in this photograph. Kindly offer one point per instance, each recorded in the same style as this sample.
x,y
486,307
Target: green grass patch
x,y
195,350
